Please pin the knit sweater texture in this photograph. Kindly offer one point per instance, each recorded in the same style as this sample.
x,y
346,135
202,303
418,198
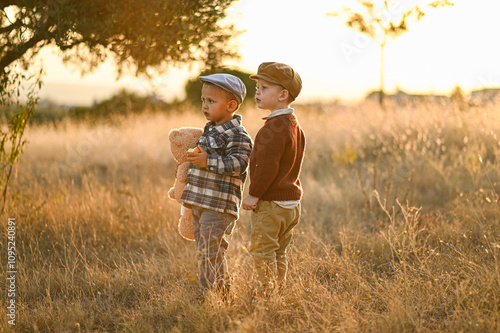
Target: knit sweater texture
x,y
276,160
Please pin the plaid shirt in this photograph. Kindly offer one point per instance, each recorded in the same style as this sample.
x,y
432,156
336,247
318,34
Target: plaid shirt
x,y
219,186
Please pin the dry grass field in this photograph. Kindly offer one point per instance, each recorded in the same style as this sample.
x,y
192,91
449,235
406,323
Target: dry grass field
x,y
400,230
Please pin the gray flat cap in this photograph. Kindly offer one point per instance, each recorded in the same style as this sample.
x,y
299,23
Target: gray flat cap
x,y
229,83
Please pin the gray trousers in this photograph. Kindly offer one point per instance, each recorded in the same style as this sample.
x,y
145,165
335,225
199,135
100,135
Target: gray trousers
x,y
210,230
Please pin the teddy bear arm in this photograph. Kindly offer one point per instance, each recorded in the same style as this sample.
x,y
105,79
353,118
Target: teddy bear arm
x,y
178,189
182,172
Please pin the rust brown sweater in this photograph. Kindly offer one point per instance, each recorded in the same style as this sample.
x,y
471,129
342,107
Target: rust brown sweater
x,y
276,159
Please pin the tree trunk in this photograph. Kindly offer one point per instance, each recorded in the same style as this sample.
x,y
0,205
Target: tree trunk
x,y
382,69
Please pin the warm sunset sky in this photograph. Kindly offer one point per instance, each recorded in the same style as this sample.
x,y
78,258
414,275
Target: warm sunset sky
x,y
450,46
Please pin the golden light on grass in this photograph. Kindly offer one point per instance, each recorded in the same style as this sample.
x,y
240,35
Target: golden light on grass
x,y
98,248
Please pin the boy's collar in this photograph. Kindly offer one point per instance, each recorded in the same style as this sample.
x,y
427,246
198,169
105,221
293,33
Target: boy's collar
x,y
279,112
236,121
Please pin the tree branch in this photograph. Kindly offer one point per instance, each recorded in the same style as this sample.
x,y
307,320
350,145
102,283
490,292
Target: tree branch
x,y
11,27
18,52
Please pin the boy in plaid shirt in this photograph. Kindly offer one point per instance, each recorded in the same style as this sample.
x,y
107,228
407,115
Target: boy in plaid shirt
x,y
216,177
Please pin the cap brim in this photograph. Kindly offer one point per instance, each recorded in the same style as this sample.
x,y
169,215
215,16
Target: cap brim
x,y
264,77
210,80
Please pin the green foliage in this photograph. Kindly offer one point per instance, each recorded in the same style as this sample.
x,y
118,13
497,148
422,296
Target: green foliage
x,y
48,112
18,114
193,87
122,103
137,33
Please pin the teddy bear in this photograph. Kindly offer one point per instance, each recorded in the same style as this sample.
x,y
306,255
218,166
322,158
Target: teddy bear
x,y
181,140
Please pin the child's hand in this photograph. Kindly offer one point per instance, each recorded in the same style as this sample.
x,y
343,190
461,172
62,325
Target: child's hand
x,y
250,202
198,157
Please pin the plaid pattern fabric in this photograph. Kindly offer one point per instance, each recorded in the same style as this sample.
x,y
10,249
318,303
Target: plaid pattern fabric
x,y
219,186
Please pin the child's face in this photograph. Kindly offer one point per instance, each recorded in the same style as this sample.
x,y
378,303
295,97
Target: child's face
x,y
216,104
269,96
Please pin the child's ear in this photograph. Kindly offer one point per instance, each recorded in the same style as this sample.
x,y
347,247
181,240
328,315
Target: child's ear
x,y
284,95
233,106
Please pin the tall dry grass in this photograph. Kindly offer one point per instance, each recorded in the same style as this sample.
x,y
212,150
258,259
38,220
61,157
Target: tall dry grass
x,y
400,228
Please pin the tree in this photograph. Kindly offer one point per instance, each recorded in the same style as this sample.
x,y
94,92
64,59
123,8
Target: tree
x,y
458,98
138,34
382,20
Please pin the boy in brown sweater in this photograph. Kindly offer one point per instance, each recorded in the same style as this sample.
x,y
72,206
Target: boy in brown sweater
x,y
275,163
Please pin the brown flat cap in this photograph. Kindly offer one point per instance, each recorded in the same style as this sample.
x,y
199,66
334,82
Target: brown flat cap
x,y
281,74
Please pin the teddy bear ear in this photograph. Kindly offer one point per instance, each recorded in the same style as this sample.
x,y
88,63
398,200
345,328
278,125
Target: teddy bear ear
x,y
173,134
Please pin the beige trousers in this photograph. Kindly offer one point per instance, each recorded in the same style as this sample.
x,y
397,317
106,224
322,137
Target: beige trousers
x,y
272,230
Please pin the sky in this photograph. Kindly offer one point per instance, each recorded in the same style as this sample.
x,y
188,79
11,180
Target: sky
x,y
450,46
